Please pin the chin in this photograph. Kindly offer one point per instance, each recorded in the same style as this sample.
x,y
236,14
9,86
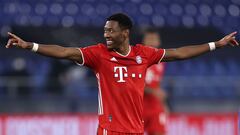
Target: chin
x,y
110,46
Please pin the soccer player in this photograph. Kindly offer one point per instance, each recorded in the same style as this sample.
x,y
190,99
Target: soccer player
x,y
120,69
155,109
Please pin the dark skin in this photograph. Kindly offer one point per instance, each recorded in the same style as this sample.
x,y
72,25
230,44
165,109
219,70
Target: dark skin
x,y
119,37
120,43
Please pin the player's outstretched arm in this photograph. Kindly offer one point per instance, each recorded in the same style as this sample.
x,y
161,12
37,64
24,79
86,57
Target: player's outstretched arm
x,y
190,51
55,51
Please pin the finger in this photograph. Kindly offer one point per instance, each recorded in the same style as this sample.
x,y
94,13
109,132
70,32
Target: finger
x,y
232,34
234,42
11,42
12,35
231,43
15,44
8,43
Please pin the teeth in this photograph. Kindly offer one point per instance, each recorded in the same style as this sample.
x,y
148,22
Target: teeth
x,y
109,42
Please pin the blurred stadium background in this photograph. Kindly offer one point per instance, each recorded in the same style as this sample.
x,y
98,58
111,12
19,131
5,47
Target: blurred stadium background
x,y
44,96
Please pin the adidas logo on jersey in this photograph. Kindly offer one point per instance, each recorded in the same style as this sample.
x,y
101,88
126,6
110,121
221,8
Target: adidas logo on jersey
x,y
113,59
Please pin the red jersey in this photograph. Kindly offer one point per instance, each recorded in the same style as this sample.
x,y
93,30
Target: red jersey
x,y
153,79
121,82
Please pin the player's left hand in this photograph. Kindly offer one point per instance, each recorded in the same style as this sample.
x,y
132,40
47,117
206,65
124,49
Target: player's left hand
x,y
229,39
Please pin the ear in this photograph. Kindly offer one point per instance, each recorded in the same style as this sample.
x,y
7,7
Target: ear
x,y
126,32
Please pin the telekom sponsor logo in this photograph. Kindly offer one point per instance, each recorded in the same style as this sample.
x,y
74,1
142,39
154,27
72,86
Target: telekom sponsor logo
x,y
121,73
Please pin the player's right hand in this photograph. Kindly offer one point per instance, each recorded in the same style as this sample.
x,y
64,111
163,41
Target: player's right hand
x,y
15,41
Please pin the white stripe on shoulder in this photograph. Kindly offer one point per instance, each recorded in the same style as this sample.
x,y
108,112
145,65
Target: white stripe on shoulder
x,y
164,51
83,61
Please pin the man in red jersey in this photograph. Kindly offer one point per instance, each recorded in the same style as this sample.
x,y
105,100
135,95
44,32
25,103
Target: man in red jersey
x,y
155,109
120,69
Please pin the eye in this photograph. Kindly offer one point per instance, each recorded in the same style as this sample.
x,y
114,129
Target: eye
x,y
108,30
105,30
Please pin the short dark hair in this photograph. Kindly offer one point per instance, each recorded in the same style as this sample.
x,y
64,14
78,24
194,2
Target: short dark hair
x,y
124,20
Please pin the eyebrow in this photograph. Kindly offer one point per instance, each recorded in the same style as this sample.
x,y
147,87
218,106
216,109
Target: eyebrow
x,y
107,28
111,28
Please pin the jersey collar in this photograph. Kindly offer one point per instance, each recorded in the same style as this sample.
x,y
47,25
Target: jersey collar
x,y
126,54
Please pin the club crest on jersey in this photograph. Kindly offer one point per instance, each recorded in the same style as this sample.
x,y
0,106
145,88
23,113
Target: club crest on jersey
x,y
138,59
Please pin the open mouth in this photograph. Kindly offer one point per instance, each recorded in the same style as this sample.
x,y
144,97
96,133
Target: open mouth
x,y
109,42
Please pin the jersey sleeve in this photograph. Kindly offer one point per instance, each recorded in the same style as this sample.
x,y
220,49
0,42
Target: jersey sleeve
x,y
90,56
154,55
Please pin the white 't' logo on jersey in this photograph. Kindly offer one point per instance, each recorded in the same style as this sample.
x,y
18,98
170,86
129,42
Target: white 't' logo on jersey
x,y
120,73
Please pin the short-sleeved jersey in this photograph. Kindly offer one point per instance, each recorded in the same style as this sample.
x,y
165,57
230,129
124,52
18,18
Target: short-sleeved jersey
x,y
153,79
121,81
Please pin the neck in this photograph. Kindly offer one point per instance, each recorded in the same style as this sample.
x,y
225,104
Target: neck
x,y
124,48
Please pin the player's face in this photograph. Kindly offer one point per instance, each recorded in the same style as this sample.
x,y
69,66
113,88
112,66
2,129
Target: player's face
x,y
152,39
113,34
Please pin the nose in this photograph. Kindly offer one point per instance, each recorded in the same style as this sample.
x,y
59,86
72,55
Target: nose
x,y
106,34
